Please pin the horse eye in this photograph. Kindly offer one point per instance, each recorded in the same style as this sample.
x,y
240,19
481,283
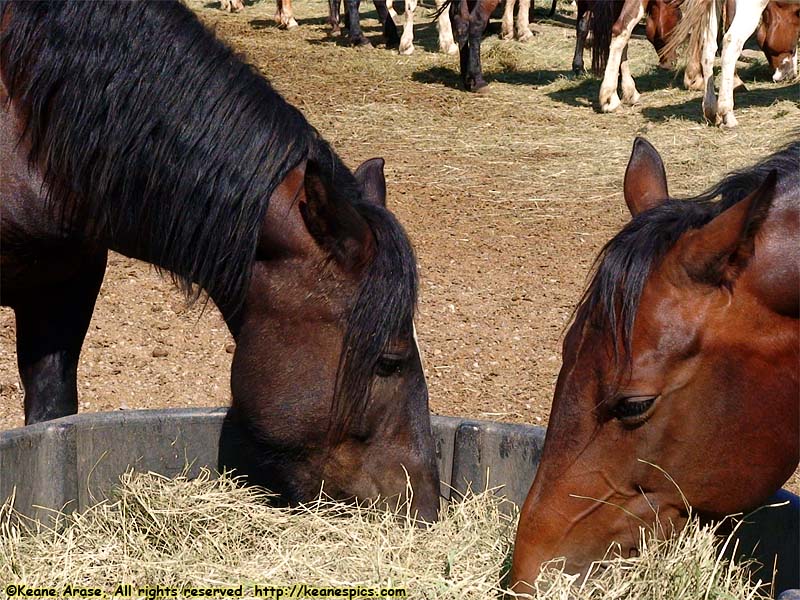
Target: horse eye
x,y
633,410
388,365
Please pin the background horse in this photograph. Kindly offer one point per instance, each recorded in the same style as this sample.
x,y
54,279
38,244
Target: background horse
x,y
685,354
522,32
662,16
613,21
701,21
777,36
612,24
116,133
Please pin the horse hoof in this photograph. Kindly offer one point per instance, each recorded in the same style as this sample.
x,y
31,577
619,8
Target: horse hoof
x,y
611,104
632,100
525,37
578,71
727,121
292,24
450,48
406,49
710,114
483,89
360,42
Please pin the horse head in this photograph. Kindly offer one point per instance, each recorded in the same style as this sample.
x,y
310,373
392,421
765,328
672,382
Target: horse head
x,y
679,382
327,382
777,35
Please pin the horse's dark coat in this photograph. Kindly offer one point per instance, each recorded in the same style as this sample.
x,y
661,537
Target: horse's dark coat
x,y
150,120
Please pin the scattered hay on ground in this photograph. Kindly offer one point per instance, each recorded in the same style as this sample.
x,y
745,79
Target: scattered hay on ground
x,y
209,532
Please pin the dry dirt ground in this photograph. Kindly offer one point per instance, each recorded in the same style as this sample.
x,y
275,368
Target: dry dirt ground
x,y
507,197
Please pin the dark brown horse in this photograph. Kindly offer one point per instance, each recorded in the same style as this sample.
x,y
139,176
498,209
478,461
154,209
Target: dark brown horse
x,y
128,126
685,354
469,19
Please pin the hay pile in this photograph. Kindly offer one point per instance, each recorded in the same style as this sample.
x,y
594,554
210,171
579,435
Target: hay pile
x,y
209,532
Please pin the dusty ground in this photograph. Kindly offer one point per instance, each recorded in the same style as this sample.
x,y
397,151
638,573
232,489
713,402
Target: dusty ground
x,y
507,197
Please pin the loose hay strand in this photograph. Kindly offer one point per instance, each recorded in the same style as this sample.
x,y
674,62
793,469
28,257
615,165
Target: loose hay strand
x,y
209,531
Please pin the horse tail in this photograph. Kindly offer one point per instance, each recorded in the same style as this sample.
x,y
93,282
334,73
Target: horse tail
x,y
445,6
696,15
604,14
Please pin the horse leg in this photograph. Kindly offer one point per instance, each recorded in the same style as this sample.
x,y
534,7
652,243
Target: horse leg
x,y
507,22
459,15
333,16
581,31
552,9
231,5
446,42
478,20
354,25
407,41
285,15
707,63
609,100
744,24
630,95
389,28
524,33
51,326
693,75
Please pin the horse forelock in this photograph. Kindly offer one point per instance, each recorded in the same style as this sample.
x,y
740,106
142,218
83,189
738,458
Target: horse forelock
x,y
148,127
383,309
622,268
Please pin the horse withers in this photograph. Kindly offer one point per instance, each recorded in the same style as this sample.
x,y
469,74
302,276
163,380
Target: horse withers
x,y
681,369
116,134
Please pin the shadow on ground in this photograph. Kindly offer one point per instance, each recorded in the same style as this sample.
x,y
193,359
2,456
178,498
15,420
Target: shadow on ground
x,y
692,109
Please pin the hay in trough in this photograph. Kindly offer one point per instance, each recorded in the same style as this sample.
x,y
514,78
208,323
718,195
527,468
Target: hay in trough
x,y
209,532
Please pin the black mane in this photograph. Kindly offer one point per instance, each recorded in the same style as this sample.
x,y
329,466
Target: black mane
x,y
385,307
626,261
148,128
152,130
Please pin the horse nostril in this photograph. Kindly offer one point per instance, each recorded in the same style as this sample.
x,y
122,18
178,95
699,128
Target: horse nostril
x,y
633,553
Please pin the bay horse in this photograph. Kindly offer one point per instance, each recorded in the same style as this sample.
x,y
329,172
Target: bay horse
x,y
777,34
682,358
116,133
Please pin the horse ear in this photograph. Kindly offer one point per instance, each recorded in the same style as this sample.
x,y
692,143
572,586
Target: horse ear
x,y
370,177
717,253
335,225
645,178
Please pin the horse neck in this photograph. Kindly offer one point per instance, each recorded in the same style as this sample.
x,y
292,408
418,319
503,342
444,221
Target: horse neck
x,y
774,272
